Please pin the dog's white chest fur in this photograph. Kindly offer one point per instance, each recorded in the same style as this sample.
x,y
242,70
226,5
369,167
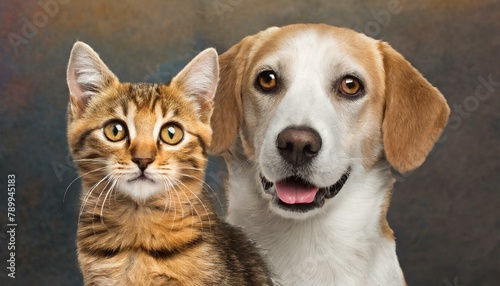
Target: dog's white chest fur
x,y
341,246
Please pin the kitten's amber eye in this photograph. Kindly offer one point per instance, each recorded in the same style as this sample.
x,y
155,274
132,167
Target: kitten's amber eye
x,y
350,86
267,80
115,131
171,133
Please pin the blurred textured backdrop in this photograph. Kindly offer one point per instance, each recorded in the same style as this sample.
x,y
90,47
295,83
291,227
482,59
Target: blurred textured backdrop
x,y
446,215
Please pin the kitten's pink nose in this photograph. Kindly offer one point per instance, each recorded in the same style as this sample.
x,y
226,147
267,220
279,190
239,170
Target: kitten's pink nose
x,y
143,162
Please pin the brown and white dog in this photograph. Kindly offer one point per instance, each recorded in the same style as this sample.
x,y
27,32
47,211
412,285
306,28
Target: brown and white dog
x,y
309,119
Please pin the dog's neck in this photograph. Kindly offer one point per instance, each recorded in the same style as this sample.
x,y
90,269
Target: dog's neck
x,y
342,245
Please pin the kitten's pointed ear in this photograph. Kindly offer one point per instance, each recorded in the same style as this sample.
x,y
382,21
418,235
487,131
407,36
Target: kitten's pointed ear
x,y
198,80
87,76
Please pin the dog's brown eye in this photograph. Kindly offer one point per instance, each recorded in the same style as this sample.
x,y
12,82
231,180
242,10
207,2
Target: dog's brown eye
x,y
171,134
115,131
267,80
350,86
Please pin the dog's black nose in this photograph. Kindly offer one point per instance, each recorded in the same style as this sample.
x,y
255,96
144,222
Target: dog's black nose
x,y
298,145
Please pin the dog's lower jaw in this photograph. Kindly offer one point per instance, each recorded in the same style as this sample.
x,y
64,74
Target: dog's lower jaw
x,y
343,244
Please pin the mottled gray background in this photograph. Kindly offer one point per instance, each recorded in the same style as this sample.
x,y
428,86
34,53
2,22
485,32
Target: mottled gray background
x,y
445,214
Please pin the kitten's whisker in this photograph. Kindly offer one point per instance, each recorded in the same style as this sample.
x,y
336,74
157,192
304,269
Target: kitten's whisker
x,y
175,207
97,203
202,204
89,193
195,169
98,169
192,168
104,201
167,197
171,197
201,157
87,196
191,206
209,188
114,181
114,193
90,160
180,203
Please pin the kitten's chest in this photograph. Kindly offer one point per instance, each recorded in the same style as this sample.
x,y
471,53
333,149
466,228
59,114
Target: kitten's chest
x,y
138,268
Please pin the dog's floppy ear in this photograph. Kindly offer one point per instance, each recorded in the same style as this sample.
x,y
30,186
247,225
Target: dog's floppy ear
x,y
228,109
415,112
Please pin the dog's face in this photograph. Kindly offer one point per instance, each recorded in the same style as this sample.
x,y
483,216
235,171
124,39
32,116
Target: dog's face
x,y
310,104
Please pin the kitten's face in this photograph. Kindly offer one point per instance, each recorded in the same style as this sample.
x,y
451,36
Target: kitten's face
x,y
140,139
146,137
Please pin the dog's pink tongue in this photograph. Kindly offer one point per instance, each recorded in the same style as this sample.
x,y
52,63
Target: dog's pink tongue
x,y
293,194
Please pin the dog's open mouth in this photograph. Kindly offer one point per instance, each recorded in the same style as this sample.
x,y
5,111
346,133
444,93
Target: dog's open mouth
x,y
297,194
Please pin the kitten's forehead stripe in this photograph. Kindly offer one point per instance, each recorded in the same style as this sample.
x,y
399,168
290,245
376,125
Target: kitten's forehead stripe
x,y
81,141
124,102
158,91
175,113
144,95
132,96
152,106
202,144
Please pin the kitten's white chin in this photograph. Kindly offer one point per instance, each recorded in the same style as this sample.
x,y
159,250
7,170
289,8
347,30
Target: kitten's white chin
x,y
139,190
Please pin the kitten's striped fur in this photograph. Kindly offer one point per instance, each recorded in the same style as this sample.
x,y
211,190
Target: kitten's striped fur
x,y
159,229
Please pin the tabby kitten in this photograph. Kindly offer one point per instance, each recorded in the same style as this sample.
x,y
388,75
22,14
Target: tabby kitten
x,y
141,150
